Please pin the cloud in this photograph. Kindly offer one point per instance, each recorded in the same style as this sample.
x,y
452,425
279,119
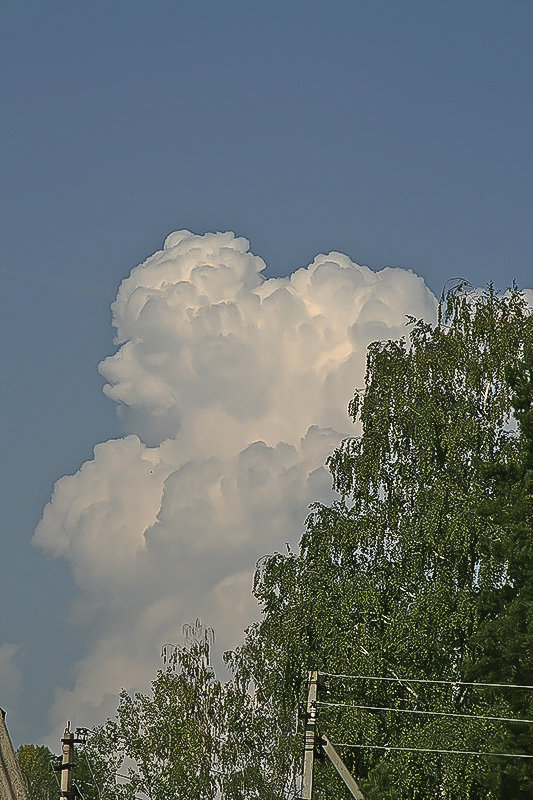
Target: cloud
x,y
232,390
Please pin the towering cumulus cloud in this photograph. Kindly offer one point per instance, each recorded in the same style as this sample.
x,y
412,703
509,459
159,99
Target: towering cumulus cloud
x,y
233,390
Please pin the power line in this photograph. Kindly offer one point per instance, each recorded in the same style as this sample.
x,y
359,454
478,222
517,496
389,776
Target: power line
x,y
92,774
77,791
431,713
429,750
52,767
425,680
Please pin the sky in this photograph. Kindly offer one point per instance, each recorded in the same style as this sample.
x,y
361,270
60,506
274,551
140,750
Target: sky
x,y
294,178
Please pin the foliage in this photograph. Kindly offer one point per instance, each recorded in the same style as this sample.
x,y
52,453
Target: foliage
x,y
165,742
36,764
403,575
39,769
503,643
192,737
93,773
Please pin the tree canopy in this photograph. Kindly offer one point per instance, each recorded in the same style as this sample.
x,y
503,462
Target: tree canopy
x,y
422,569
40,770
36,763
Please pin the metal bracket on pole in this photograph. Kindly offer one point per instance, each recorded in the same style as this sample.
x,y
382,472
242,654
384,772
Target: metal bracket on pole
x,y
309,737
341,768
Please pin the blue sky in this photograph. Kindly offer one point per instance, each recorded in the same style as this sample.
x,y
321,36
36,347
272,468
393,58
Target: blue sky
x,y
397,133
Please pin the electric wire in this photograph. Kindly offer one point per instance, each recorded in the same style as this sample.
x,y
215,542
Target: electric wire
x,y
429,750
55,774
128,778
92,775
430,713
121,775
78,792
425,680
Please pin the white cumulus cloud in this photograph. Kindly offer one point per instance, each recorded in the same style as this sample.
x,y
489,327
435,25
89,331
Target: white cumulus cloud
x,y
233,390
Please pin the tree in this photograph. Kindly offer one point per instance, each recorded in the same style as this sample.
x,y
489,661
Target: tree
x,y
503,644
93,774
403,577
165,742
192,737
36,764
39,767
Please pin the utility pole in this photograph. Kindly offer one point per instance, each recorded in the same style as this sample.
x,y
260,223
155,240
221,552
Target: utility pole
x,y
67,762
69,789
309,737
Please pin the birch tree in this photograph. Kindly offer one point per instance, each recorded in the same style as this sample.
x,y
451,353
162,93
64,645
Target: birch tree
x,y
395,578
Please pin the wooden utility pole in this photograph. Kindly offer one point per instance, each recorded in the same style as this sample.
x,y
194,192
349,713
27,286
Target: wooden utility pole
x,y
309,737
67,762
